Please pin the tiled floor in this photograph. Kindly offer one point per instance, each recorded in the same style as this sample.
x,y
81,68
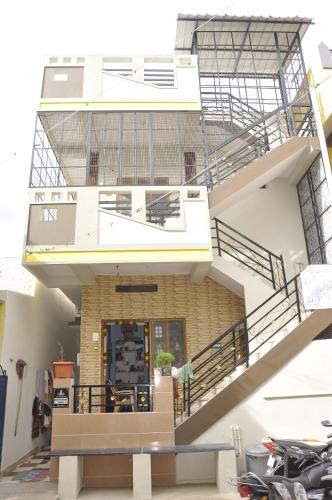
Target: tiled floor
x,y
34,468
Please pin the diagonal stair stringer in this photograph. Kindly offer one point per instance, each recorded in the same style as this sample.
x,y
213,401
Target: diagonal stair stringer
x,y
253,377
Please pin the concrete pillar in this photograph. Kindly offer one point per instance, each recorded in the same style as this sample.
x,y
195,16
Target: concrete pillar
x,y
70,477
225,469
142,484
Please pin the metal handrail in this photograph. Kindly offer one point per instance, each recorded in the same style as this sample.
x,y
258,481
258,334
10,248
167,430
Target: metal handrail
x,y
262,120
233,348
109,397
271,269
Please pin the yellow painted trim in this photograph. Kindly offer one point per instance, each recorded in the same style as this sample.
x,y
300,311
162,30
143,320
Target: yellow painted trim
x,y
104,256
121,106
87,103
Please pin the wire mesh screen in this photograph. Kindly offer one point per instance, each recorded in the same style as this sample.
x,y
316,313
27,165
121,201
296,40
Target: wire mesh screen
x,y
111,148
246,74
316,211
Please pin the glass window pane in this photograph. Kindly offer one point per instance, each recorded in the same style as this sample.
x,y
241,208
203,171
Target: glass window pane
x,y
176,342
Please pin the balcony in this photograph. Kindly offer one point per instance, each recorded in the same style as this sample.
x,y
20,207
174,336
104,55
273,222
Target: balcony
x,y
112,149
75,234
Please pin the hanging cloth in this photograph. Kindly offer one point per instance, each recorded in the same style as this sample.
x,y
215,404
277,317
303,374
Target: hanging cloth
x,y
185,373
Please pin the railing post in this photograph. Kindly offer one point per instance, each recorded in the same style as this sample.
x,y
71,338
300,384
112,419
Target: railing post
x,y
217,234
298,306
234,348
272,272
75,396
246,341
283,274
90,404
188,399
136,398
183,409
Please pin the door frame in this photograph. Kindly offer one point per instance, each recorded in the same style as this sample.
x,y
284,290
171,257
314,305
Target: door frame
x,y
103,333
150,341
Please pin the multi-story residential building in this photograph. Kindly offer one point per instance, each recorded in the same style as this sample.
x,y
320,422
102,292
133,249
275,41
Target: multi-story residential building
x,y
176,199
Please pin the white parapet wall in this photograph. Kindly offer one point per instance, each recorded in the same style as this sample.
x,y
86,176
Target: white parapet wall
x,y
139,82
84,223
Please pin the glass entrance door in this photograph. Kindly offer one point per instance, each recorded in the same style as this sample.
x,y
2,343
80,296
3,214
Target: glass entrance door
x,y
126,352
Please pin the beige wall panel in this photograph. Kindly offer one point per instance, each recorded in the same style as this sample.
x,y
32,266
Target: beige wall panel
x,y
63,82
55,232
208,309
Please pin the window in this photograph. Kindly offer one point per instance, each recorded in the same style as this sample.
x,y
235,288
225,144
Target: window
x,y
49,214
93,170
60,77
190,166
168,336
316,213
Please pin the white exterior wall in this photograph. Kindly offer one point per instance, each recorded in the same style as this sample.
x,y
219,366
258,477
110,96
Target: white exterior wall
x,y
33,327
290,405
272,218
97,228
130,93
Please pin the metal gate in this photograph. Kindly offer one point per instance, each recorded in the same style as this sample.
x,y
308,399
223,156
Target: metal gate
x,y
3,394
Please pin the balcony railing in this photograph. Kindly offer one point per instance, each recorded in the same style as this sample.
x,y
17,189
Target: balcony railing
x,y
109,398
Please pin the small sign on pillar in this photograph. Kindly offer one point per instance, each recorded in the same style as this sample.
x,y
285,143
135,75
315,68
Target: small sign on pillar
x,y
60,398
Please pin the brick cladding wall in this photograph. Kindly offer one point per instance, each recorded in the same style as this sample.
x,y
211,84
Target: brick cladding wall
x,y
208,309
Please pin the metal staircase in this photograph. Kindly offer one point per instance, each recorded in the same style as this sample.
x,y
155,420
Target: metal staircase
x,y
242,345
257,136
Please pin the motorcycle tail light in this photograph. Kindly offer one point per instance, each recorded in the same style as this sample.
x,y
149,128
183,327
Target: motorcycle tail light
x,y
244,491
271,446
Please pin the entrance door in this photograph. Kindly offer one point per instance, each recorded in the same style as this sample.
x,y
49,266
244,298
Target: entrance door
x,y
126,352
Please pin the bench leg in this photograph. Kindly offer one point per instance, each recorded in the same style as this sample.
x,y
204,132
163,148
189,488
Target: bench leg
x,y
142,484
226,468
70,477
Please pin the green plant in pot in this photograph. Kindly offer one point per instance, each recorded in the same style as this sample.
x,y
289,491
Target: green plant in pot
x,y
164,361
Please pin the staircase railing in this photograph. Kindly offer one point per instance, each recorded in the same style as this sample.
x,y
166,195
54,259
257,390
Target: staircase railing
x,y
109,398
270,131
229,108
262,261
236,346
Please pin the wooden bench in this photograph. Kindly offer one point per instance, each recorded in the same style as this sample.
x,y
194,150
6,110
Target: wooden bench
x,y
71,466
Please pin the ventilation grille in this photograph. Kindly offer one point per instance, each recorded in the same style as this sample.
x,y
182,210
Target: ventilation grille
x,y
160,77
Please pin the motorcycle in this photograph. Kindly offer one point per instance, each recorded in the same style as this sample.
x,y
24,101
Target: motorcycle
x,y
284,459
314,483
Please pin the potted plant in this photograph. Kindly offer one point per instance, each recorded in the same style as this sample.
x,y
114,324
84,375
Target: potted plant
x,y
164,361
63,369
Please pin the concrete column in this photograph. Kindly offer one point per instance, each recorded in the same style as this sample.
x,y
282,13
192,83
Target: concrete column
x,y
225,469
142,484
70,477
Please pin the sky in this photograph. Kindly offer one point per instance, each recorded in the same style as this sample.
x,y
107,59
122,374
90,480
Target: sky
x,y
32,30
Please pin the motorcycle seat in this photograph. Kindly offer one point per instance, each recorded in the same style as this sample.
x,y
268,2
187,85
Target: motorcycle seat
x,y
315,446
